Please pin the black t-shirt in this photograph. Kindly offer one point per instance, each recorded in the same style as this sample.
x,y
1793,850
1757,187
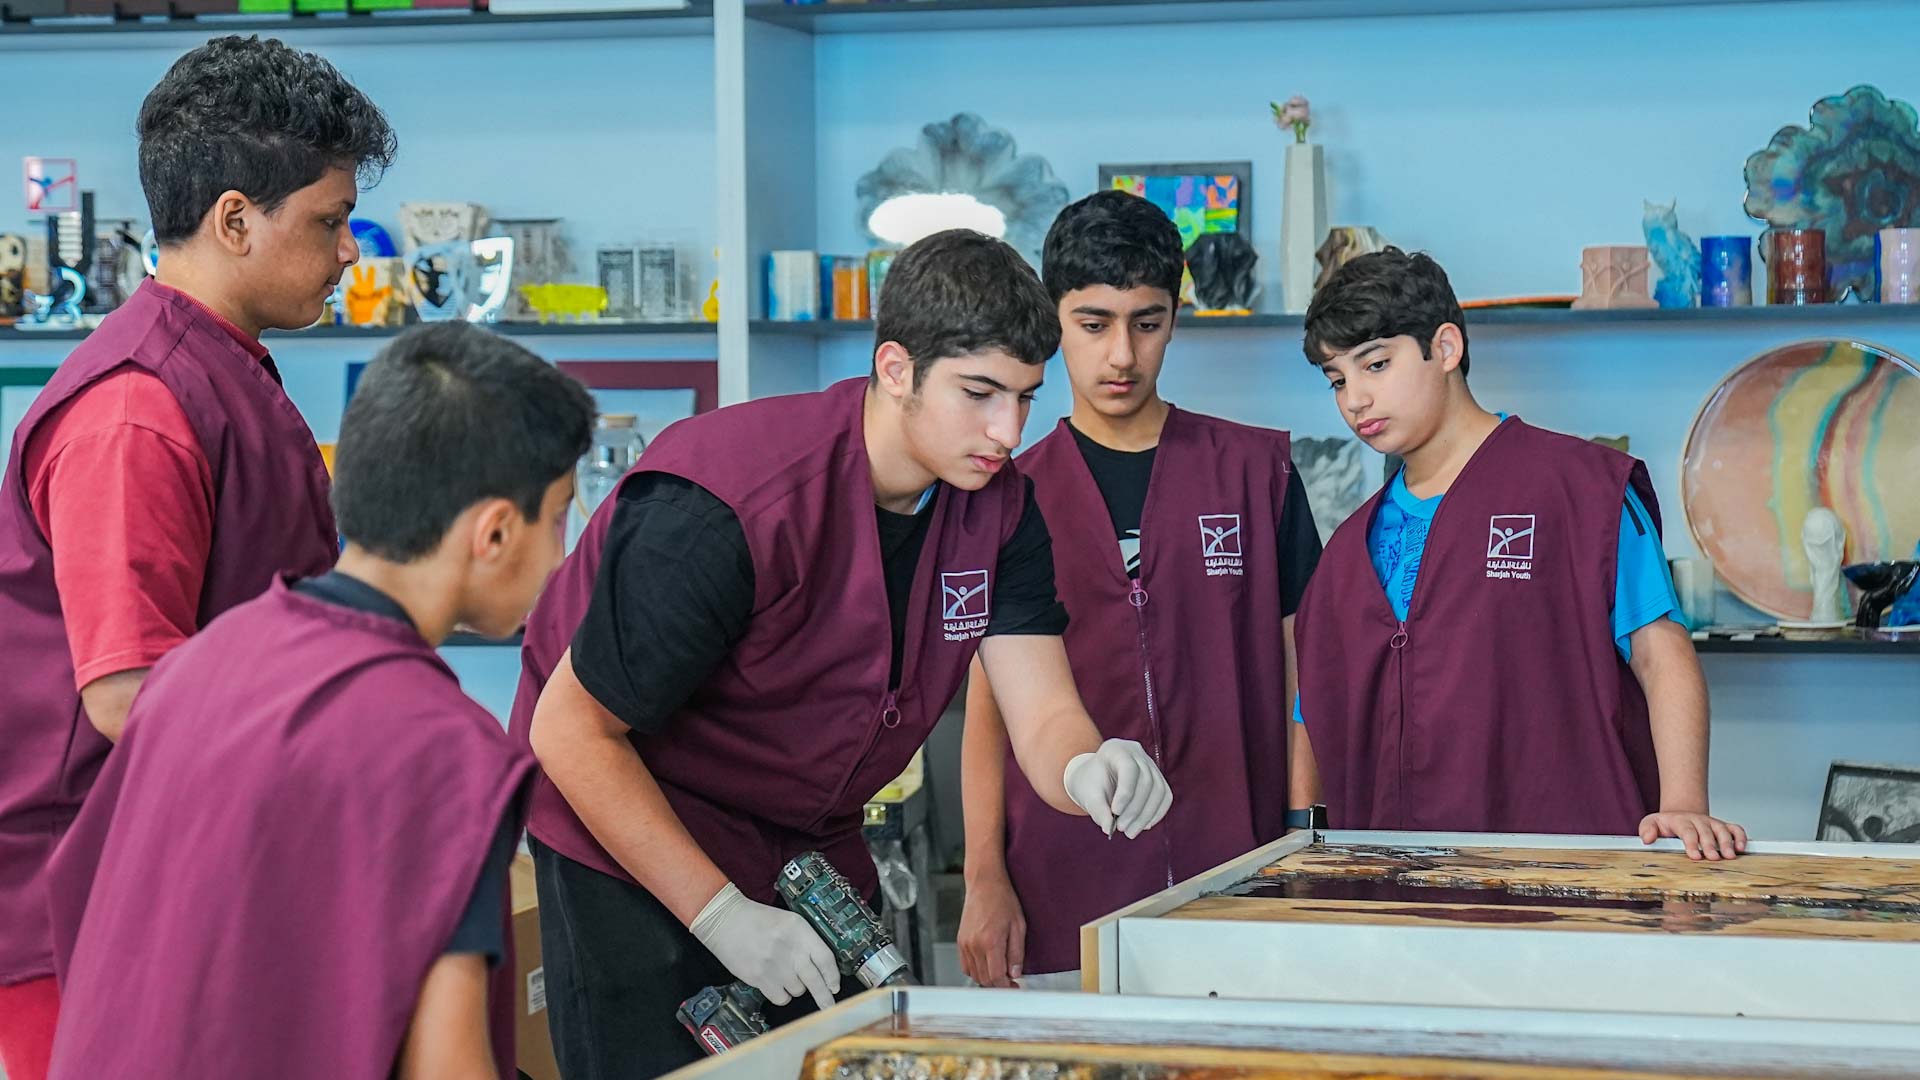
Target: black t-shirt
x,y
674,593
481,925
1122,476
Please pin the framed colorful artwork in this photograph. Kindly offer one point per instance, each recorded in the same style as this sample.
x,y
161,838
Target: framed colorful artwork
x,y
19,386
1200,196
52,185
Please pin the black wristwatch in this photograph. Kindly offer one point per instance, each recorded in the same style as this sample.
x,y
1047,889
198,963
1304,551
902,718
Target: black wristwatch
x,y
1313,817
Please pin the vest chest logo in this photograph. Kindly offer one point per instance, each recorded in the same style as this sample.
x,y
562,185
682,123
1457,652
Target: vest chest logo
x,y
1510,547
1220,544
964,604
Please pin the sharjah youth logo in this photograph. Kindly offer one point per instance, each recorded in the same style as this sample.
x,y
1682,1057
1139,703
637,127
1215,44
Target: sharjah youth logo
x,y
1220,544
964,605
1510,547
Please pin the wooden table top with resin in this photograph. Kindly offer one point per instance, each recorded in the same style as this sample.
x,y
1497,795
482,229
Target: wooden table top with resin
x,y
1039,1049
1619,891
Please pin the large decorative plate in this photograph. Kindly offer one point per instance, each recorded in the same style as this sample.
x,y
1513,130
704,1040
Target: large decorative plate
x,y
1817,423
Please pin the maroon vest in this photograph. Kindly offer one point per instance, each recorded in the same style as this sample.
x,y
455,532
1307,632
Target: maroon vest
x,y
276,853
1190,665
1501,704
779,750
270,515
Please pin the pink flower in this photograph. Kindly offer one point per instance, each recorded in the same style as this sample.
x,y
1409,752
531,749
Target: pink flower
x,y
1295,114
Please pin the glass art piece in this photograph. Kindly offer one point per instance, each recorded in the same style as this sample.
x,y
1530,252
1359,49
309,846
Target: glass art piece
x,y
1221,265
1796,265
540,255
1344,243
1899,266
13,276
1829,423
966,156
1726,268
1852,171
566,302
1674,253
439,279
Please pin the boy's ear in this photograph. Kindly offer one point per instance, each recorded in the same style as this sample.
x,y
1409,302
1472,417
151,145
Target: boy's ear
x,y
1447,347
894,369
493,525
227,222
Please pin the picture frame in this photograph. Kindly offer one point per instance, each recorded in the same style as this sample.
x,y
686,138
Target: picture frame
x,y
1870,803
656,393
51,185
635,385
1163,180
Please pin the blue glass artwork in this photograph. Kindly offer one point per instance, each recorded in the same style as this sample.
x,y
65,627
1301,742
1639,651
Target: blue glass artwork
x,y
1726,271
1673,252
373,239
1854,170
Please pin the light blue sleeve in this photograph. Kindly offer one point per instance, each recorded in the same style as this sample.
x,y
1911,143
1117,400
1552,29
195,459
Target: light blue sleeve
x,y
1642,584
1297,718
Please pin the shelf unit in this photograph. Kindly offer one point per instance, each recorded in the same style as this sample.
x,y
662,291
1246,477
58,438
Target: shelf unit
x,y
921,15
103,32
1775,646
1545,318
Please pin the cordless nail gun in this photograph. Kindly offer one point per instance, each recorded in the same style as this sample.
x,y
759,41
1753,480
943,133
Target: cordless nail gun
x,y
722,1017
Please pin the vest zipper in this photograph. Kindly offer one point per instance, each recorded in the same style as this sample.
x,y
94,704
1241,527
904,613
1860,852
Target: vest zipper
x,y
1138,598
1398,643
889,719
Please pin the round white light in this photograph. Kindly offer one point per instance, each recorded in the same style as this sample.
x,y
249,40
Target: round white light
x,y
904,219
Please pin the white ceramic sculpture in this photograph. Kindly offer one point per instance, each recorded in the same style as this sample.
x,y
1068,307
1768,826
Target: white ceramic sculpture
x,y
1825,541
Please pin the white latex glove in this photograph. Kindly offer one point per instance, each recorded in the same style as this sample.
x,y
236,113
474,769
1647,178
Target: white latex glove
x,y
770,949
1120,787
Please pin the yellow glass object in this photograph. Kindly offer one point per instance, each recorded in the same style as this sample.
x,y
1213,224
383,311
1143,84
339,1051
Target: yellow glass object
x,y
565,301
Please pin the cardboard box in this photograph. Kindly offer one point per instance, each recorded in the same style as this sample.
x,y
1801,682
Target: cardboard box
x,y
530,991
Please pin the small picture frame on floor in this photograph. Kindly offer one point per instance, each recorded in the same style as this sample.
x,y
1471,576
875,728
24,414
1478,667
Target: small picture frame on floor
x,y
1871,803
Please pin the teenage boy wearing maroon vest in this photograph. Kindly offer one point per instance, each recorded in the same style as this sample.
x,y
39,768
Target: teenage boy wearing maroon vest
x,y
1491,643
163,476
1184,544
758,632
295,862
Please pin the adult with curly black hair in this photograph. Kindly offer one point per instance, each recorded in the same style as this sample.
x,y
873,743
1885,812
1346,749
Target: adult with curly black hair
x,y
163,476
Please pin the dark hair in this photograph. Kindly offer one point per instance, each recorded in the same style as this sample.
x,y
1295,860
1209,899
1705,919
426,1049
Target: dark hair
x,y
256,117
1113,238
448,415
1380,295
961,292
